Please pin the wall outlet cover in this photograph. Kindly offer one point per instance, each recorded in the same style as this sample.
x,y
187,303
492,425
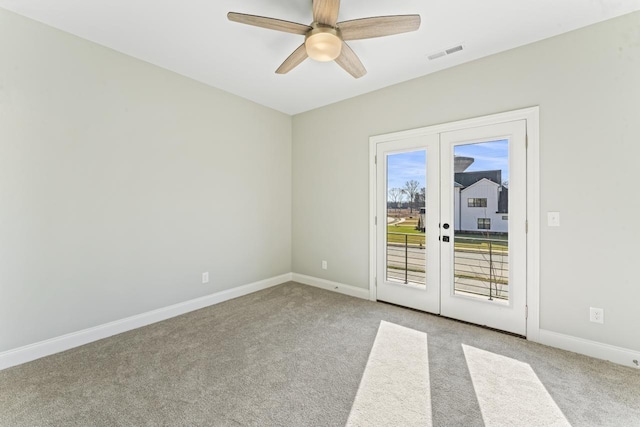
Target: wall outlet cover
x,y
596,315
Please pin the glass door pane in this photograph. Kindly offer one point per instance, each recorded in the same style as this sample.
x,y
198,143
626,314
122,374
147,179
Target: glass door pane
x,y
406,218
407,211
483,211
481,220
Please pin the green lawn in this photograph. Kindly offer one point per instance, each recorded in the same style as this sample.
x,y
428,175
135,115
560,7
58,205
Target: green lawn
x,y
408,229
416,237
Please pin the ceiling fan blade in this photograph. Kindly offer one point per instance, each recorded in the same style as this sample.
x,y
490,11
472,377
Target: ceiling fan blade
x,y
378,26
326,11
295,59
269,23
350,62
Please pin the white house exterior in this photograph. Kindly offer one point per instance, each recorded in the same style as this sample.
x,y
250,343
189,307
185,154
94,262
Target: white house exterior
x,y
477,208
481,202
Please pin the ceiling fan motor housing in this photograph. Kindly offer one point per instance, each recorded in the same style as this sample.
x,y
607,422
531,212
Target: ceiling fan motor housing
x,y
323,42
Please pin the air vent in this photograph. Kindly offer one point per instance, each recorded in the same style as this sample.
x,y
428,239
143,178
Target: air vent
x,y
437,55
445,52
454,49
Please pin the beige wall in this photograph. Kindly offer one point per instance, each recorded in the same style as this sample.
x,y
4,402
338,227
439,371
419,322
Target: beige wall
x,y
587,84
120,183
117,178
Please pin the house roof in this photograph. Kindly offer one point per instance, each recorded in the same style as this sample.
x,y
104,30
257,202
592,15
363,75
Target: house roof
x,y
467,179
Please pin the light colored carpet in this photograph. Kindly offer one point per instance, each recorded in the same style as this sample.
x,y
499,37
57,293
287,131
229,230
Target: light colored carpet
x,y
291,355
510,393
394,390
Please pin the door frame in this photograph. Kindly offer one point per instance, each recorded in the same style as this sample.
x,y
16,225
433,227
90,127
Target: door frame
x,y
531,116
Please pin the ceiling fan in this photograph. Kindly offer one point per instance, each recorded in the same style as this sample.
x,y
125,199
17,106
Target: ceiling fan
x,y
325,37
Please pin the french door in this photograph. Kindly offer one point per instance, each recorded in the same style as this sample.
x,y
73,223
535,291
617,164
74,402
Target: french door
x,y
451,224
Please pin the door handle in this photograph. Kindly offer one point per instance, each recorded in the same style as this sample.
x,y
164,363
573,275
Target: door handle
x,y
445,226
445,238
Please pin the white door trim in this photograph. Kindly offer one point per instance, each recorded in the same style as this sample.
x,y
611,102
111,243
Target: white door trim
x,y
531,115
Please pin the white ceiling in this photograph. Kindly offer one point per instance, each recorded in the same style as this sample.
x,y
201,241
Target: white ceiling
x,y
195,39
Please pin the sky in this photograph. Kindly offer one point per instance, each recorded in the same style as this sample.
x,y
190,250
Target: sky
x,y
402,167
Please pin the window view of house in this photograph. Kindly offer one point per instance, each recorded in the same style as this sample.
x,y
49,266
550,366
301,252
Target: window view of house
x,y
481,198
481,220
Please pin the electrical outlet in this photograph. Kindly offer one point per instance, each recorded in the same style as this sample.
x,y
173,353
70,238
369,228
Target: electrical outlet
x,y
324,265
205,277
596,315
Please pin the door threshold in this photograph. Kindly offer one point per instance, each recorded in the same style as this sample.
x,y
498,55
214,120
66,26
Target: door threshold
x,y
456,320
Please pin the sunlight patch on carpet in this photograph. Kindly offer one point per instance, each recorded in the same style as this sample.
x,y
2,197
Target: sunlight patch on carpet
x,y
395,389
509,392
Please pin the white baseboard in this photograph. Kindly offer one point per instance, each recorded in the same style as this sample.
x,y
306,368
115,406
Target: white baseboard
x,y
353,291
51,346
619,355
622,356
75,339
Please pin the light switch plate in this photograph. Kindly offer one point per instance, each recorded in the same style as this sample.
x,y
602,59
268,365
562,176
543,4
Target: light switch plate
x,y
553,219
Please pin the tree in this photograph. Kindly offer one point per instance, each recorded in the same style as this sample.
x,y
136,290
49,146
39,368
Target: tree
x,y
411,189
395,196
421,197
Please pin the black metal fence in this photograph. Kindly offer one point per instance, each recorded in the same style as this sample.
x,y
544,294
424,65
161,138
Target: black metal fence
x,y
406,257
481,264
482,267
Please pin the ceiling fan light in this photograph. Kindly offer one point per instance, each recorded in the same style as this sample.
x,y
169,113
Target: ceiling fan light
x,y
323,44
